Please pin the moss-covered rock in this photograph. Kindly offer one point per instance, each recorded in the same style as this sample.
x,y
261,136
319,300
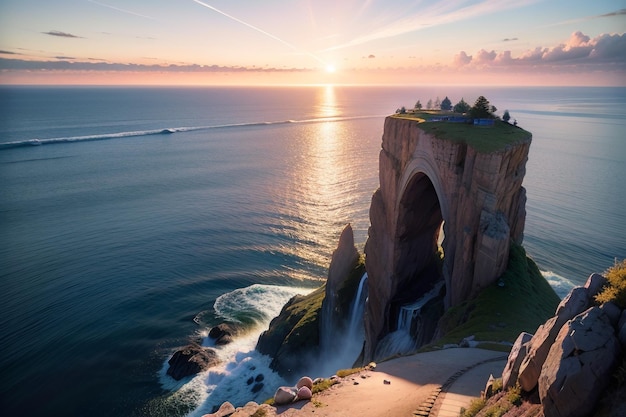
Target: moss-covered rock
x,y
293,336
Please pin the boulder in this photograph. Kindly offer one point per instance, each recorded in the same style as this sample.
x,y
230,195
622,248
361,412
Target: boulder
x,y
247,410
190,360
613,312
285,395
304,393
516,356
223,333
573,304
226,409
594,284
579,365
305,381
621,331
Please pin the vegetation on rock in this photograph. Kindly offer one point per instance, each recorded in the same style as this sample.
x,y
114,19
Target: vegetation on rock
x,y
520,301
294,335
615,290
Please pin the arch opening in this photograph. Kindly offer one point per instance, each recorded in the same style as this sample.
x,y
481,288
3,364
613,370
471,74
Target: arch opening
x,y
418,302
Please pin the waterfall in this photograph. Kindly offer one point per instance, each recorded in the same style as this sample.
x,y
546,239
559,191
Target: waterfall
x,y
411,327
358,305
409,312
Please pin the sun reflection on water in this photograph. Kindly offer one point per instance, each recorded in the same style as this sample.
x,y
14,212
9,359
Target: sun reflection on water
x,y
325,192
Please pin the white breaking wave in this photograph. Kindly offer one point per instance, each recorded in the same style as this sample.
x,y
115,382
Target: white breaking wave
x,y
166,131
244,374
561,285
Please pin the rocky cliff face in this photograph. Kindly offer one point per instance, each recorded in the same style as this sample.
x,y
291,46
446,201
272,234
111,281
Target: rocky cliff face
x,y
425,181
571,357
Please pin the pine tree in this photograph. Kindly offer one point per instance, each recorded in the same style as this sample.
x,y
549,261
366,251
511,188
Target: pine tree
x,y
481,109
461,107
418,105
506,116
446,104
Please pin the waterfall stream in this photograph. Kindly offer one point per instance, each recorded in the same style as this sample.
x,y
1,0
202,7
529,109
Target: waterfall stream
x,y
407,338
358,305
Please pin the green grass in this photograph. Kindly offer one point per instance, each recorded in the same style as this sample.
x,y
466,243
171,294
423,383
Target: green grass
x,y
342,373
484,139
500,314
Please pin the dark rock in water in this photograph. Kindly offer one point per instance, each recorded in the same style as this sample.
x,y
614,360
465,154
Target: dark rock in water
x,y
257,387
259,378
190,360
250,381
224,333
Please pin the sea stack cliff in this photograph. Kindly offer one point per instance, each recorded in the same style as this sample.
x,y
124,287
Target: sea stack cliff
x,y
429,178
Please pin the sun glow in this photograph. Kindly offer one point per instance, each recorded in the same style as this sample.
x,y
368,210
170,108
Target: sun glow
x,y
330,68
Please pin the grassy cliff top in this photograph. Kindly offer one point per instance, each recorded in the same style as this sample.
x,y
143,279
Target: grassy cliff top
x,y
484,139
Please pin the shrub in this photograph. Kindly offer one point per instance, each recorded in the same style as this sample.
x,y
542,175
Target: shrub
x,y
514,395
615,290
474,407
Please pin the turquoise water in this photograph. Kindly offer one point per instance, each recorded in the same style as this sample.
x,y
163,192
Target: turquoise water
x,y
115,235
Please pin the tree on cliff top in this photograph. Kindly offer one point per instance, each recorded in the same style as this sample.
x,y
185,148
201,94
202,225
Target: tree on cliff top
x,y
481,109
506,116
446,104
461,107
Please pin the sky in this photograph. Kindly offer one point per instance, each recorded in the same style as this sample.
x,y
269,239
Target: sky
x,y
299,42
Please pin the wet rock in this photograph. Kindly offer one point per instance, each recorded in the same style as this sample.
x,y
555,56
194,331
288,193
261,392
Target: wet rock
x,y
224,333
190,360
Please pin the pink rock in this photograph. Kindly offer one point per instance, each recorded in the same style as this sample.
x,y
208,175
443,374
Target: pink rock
x,y
304,393
579,365
305,381
285,395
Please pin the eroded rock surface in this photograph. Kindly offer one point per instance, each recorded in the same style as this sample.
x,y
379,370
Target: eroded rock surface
x,y
579,365
424,181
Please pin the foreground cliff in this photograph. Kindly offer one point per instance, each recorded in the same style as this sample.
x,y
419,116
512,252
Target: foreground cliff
x,y
467,178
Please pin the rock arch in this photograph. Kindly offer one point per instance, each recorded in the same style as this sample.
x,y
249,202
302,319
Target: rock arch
x,y
425,181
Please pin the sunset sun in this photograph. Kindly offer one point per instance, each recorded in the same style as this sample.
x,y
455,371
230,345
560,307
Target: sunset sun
x,y
330,68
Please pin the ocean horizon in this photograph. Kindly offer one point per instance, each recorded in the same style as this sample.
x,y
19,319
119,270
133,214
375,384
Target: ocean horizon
x,y
134,219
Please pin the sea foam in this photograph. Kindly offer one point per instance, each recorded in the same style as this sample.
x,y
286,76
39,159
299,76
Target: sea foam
x,y
244,374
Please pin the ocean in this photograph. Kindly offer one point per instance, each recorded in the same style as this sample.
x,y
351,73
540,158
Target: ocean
x,y
132,220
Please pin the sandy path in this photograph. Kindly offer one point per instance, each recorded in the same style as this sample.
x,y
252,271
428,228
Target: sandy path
x,y
412,380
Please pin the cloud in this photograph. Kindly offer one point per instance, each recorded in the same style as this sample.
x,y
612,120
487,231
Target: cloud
x,y
9,53
60,34
579,49
7,64
108,6
64,57
371,56
619,12
462,59
509,39
433,14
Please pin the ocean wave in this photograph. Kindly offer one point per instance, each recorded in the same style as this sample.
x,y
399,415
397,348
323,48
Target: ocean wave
x,y
561,285
165,131
593,115
240,362
256,304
